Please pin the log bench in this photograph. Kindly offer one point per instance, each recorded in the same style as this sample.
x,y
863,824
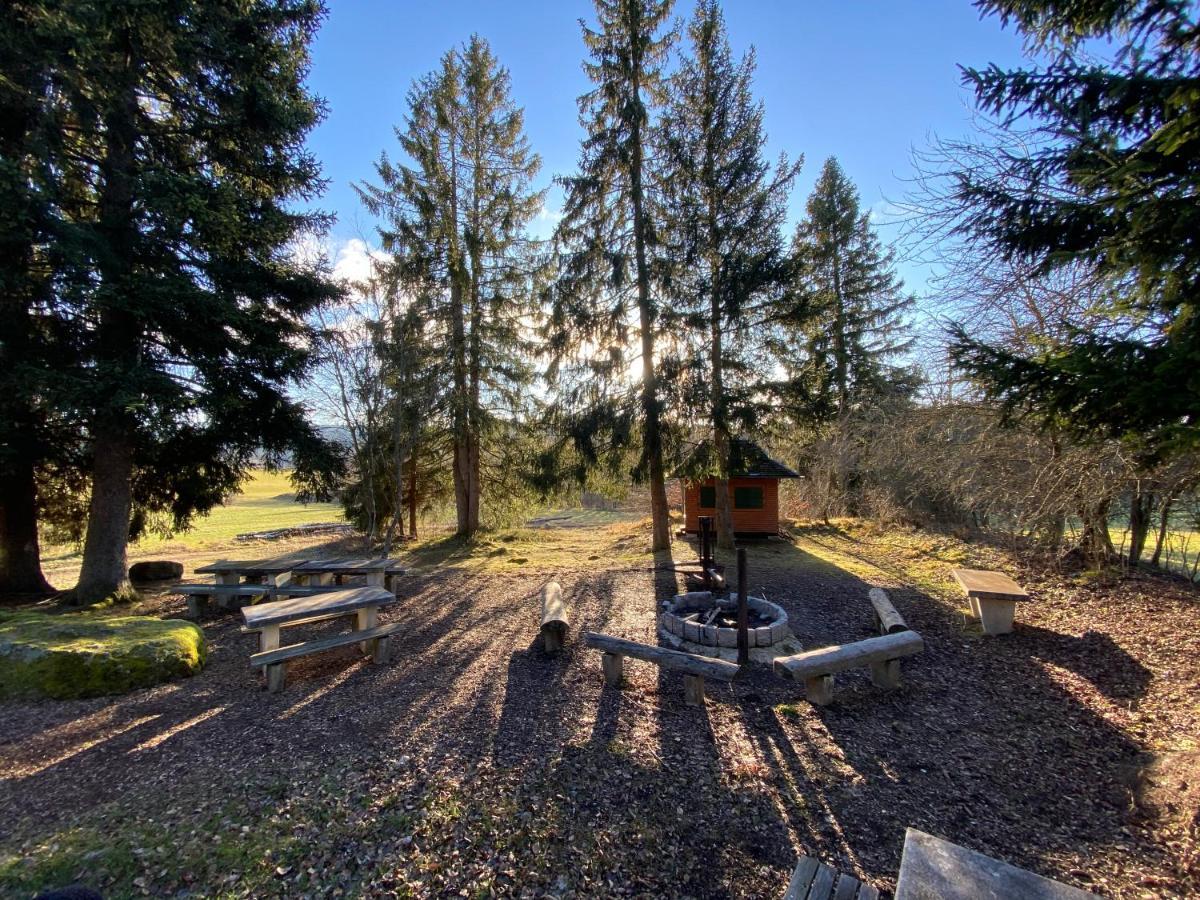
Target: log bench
x,y
993,598
816,668
813,880
363,603
695,668
554,617
886,617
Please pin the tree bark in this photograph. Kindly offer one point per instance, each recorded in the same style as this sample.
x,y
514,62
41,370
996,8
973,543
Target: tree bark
x,y
20,555
104,569
118,338
652,436
721,438
1141,507
1164,521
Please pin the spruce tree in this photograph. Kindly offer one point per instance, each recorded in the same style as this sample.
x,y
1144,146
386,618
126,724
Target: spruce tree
x,y
724,210
1111,182
608,237
852,301
456,217
191,117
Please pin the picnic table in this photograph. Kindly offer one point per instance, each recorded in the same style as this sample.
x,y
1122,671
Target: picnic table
x,y
362,603
231,571
325,571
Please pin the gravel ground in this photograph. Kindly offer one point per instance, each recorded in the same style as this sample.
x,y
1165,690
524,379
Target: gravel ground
x,y
473,764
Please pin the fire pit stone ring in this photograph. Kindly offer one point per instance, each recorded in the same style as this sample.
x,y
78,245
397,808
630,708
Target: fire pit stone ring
x,y
699,618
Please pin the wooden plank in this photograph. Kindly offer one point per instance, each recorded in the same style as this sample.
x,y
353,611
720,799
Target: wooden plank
x,y
847,887
886,616
251,567
932,867
704,666
273,656
212,590
868,892
351,566
554,617
802,877
822,885
325,603
828,660
982,584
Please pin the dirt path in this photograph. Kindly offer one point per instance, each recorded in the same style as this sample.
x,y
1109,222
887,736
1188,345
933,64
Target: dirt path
x,y
474,764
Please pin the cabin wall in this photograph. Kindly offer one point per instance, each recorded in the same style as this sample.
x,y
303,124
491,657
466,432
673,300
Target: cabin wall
x,y
750,521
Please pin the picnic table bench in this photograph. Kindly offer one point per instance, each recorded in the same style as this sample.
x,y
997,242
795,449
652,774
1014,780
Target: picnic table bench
x,y
268,571
934,869
363,603
993,597
813,880
198,595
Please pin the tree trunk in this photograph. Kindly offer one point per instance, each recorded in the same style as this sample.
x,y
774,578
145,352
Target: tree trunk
x,y
1164,521
20,557
652,434
721,441
104,571
840,361
412,492
1141,508
1095,544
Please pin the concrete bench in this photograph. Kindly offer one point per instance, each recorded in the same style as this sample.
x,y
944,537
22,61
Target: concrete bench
x,y
695,668
816,668
813,880
993,598
933,868
554,618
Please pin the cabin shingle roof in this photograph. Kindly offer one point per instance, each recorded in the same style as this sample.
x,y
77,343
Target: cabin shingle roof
x,y
748,460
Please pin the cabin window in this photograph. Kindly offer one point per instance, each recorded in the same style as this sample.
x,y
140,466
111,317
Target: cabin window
x,y
748,498
708,497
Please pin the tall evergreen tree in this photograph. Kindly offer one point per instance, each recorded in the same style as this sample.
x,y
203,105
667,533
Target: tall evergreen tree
x,y
1112,183
852,300
457,217
31,40
724,210
608,235
191,118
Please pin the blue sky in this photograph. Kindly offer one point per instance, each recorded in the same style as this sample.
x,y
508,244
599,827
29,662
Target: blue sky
x,y
863,81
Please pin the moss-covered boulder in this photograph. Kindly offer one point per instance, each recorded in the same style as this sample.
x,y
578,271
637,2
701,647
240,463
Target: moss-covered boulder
x,y
87,655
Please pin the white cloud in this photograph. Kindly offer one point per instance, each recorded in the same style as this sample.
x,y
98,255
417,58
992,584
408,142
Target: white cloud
x,y
354,259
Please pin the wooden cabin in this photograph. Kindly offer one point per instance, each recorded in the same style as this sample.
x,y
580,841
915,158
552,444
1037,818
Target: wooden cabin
x,y
753,492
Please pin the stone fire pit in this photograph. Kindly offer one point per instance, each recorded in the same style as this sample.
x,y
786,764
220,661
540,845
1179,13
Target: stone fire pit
x,y
701,622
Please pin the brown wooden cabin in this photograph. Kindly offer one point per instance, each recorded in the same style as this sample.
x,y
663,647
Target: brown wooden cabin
x,y
753,492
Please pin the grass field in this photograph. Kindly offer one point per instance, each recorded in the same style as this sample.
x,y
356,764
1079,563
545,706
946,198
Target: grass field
x,y
266,502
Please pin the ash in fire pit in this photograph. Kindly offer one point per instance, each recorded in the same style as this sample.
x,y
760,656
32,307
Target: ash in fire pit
x,y
700,618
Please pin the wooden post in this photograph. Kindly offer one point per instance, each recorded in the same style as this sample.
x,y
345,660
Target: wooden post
x,y
886,674
743,611
705,565
368,617
381,650
612,664
819,690
275,677
693,690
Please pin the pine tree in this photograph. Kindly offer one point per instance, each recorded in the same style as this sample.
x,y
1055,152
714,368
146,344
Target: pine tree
x,y
608,237
456,223
191,118
853,301
30,341
724,209
1112,182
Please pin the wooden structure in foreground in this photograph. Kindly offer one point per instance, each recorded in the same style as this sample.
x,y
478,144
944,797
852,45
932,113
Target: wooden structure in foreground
x,y
554,618
813,880
993,598
816,668
695,668
934,869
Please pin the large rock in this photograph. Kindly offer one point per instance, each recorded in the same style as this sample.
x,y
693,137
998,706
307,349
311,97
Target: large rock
x,y
156,570
88,655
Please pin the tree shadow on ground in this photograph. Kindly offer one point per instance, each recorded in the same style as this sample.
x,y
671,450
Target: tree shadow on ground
x,y
984,744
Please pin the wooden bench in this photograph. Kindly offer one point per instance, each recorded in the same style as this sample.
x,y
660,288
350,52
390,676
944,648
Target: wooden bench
x,y
886,617
813,880
694,668
198,595
363,603
816,668
554,617
933,868
993,598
